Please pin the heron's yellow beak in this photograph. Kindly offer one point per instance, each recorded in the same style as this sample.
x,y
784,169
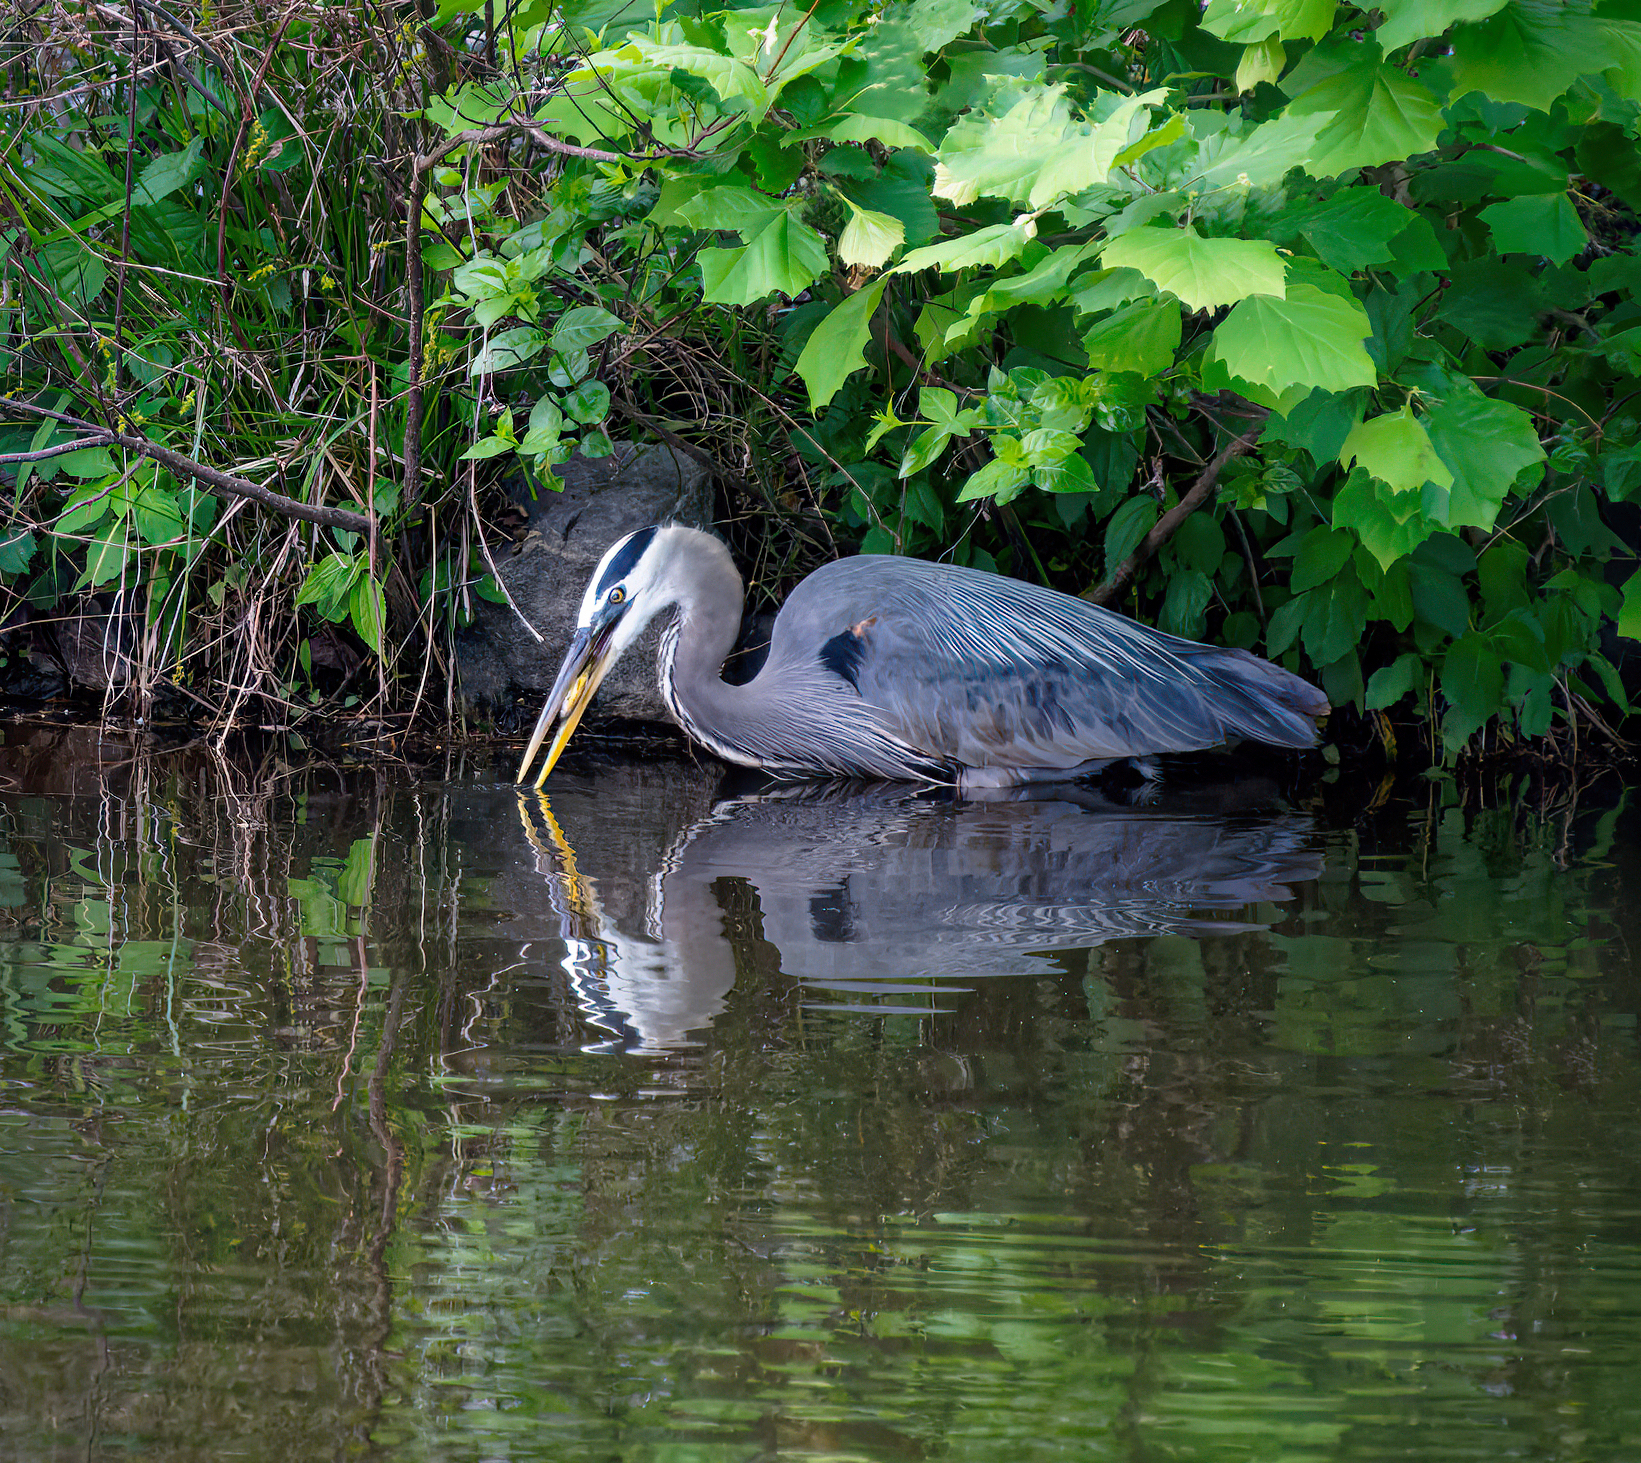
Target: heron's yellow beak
x,y
586,663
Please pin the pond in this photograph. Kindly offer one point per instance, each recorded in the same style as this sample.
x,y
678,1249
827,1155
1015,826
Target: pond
x,y
348,1112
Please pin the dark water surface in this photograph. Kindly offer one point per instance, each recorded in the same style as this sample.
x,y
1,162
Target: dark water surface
x,y
345,1114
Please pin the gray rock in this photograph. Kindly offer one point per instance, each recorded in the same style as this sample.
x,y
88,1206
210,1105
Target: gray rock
x,y
603,500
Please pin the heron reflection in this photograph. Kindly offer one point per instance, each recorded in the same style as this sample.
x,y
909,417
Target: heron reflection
x,y
884,892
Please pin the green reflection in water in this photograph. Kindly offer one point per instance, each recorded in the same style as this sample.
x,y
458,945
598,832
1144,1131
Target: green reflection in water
x,y
315,1142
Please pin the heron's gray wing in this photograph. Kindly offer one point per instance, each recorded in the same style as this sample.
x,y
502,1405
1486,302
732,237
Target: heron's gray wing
x,y
994,672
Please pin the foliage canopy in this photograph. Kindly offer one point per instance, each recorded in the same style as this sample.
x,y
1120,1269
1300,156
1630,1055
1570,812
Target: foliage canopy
x,y
1306,327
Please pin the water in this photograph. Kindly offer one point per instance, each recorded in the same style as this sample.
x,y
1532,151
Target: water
x,y
348,1114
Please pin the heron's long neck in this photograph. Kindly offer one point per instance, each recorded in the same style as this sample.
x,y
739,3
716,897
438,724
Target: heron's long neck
x,y
696,644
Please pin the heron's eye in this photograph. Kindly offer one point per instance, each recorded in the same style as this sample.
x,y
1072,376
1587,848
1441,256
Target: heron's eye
x,y
617,595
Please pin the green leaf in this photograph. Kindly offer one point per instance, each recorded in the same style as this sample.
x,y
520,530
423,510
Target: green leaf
x,y
860,128
1412,20
836,349
868,239
1087,154
107,555
1629,617
997,479
367,609
158,516
1126,528
1351,230
88,462
727,76
87,505
484,449
583,326
1396,449
1322,554
1141,337
1529,51
1487,445
729,209
784,257
1335,617
1404,676
1546,224
1245,21
1202,272
328,583
1071,474
1380,114
925,448
589,402
1265,156
1311,339
509,349
163,176
1389,524
1472,680
1001,156
992,246
935,23
16,550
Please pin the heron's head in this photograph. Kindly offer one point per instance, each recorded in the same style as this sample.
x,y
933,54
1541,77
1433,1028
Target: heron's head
x,y
627,590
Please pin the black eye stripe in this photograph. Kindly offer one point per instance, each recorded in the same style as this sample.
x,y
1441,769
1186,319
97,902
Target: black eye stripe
x,y
624,560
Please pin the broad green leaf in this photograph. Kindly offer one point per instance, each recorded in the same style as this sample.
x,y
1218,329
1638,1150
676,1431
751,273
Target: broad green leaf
x,y
87,505
510,348
1412,20
868,239
163,176
16,550
785,256
589,402
1397,450
937,22
1202,272
1127,527
1243,22
924,449
1141,337
727,76
1472,680
1404,676
1546,224
1322,554
88,462
1001,157
998,479
740,210
1311,339
1261,62
484,449
1379,113
857,127
327,585
1087,154
991,246
1486,444
367,609
1529,51
1265,156
1071,474
158,516
836,348
107,555
1351,230
585,325
1629,617
1389,524
1335,617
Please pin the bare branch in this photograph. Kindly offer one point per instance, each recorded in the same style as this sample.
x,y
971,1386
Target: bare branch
x,y
239,487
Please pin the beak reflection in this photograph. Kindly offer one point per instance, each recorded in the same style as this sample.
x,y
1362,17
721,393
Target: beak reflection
x,y
586,663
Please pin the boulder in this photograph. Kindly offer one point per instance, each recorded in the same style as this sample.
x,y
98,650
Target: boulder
x,y
603,500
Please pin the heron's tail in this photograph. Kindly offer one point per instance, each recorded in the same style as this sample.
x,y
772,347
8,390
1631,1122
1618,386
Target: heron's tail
x,y
1261,701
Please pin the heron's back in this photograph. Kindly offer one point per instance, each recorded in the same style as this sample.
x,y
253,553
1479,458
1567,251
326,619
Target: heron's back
x,y
987,671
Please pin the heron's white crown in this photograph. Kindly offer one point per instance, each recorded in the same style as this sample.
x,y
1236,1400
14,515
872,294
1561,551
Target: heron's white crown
x,y
656,577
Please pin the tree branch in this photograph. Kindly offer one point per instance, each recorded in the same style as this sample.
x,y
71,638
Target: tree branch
x,y
1165,527
226,482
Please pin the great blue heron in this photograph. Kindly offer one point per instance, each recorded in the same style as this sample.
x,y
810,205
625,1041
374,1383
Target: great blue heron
x,y
903,670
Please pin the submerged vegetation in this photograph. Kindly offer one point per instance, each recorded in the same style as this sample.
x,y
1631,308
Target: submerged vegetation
x,y
1302,327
